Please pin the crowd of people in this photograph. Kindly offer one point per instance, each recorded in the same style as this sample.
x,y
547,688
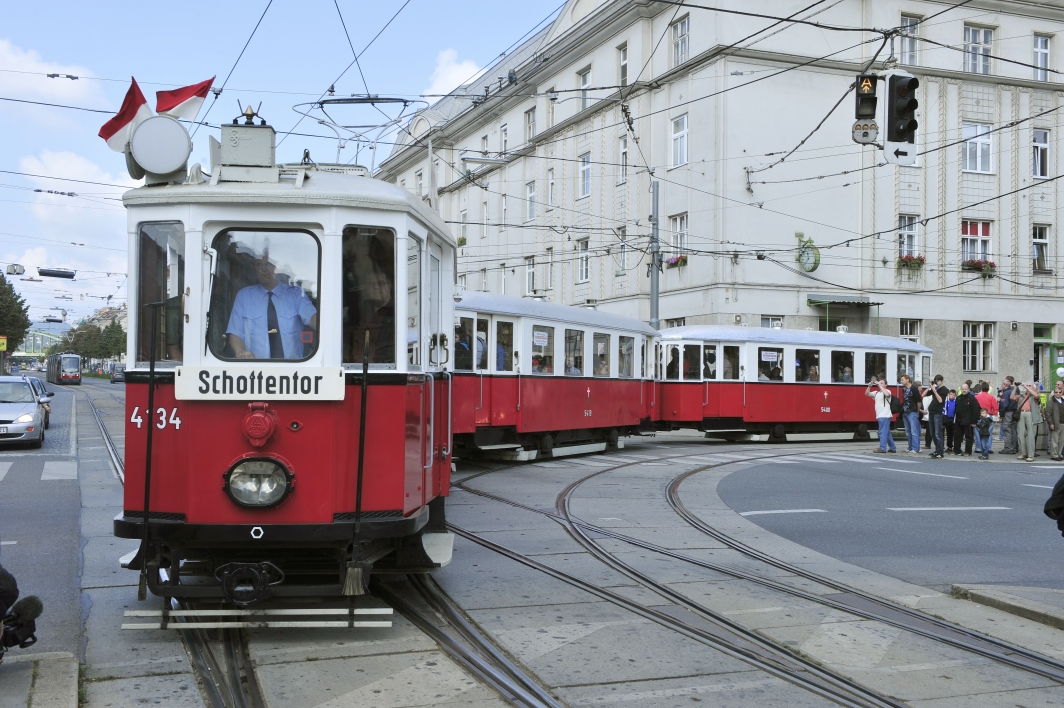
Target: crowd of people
x,y
956,422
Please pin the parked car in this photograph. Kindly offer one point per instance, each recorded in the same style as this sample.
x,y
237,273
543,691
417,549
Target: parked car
x,y
118,373
21,412
46,397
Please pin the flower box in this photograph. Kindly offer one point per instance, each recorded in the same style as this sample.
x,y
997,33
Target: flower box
x,y
911,262
987,268
461,241
676,262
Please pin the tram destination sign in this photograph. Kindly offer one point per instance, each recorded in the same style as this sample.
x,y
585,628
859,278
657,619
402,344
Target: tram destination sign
x,y
259,383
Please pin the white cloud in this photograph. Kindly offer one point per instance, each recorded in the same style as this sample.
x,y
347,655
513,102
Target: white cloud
x,y
22,78
450,73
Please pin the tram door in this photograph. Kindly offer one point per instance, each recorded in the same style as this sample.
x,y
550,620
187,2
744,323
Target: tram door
x,y
503,362
438,360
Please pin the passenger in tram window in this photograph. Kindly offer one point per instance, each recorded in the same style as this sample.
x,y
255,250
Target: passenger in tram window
x,y
463,345
267,320
762,373
672,370
709,362
482,344
847,375
369,298
814,374
603,368
775,374
570,368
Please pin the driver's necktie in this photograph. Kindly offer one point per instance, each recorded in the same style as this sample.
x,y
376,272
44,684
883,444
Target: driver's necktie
x,y
273,329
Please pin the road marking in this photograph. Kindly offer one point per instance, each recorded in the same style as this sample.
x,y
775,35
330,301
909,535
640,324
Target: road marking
x,y
782,511
1047,467
928,474
54,470
1040,486
8,543
782,462
4,467
813,458
74,425
949,508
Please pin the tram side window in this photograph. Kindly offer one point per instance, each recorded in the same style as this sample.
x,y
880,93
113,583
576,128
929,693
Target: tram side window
x,y
709,361
368,277
542,349
769,362
875,366
807,365
625,357
842,367
413,302
672,365
464,339
730,367
264,303
162,279
906,365
602,354
482,344
692,366
504,346
574,352
925,368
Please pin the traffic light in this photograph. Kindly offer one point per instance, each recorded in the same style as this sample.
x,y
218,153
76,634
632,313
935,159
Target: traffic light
x,y
901,108
866,97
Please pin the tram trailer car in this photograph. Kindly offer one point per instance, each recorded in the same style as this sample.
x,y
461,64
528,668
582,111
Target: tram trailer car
x,y
64,368
268,279
730,381
533,378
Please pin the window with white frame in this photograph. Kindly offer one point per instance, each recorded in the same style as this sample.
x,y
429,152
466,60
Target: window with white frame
x,y
675,322
679,234
908,29
551,104
1040,248
584,187
484,279
622,161
504,138
584,78
530,124
975,241
462,281
1040,152
772,321
419,182
465,226
907,235
1041,58
978,346
583,261
977,44
484,219
502,226
484,144
530,201
681,41
976,148
550,268
530,275
622,251
622,60
910,329
550,189
502,279
679,141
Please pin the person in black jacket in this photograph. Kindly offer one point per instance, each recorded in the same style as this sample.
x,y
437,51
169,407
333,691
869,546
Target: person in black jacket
x,y
965,416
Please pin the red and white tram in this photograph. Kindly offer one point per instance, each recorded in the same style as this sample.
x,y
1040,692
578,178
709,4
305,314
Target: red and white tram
x,y
533,378
266,282
728,380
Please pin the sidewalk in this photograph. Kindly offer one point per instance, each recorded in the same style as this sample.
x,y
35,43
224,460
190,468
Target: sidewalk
x,y
44,680
1043,605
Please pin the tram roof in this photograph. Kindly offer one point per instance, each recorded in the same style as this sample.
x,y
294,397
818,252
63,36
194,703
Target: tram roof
x,y
494,303
764,335
321,187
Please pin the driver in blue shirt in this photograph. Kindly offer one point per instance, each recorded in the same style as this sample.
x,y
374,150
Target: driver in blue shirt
x,y
267,320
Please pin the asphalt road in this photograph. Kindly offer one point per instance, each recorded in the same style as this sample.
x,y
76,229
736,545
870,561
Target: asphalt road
x,y
930,522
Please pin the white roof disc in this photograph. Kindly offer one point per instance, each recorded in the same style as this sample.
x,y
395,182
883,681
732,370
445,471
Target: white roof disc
x,y
160,145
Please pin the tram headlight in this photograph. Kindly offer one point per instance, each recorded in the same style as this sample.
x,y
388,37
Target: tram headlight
x,y
258,482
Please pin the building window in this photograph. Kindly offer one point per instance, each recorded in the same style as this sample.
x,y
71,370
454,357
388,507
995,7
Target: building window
x,y
1040,248
502,224
975,241
530,124
530,275
585,89
622,58
1041,58
675,322
484,145
772,321
502,278
484,280
1040,153
550,189
585,174
550,268
906,235
976,147
551,104
910,329
419,182
978,346
681,41
436,173
583,261
530,201
908,29
622,149
462,282
504,139
622,252
679,234
464,234
679,141
484,220
977,43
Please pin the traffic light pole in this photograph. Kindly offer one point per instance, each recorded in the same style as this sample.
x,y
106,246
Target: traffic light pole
x,y
655,255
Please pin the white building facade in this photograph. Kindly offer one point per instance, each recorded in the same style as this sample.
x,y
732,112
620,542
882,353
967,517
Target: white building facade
x,y
570,128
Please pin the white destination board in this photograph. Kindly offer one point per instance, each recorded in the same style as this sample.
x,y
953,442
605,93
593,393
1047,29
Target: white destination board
x,y
259,383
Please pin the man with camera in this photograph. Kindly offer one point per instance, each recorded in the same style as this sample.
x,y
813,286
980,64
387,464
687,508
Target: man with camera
x,y
1029,403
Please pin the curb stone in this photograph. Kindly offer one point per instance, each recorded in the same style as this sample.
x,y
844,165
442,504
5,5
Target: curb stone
x,y
1021,606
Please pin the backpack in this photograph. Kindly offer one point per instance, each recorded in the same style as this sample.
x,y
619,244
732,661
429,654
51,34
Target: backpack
x,y
895,405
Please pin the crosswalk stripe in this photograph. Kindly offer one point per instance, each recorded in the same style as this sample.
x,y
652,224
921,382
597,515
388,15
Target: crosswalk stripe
x,y
55,470
4,467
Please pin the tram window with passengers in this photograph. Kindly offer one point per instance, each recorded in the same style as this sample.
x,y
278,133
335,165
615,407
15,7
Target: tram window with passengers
x,y
268,293
729,380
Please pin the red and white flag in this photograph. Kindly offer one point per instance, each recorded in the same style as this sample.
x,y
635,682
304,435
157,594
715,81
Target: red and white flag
x,y
183,102
133,112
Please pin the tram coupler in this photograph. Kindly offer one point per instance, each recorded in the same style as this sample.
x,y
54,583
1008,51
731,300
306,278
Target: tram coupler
x,y
247,583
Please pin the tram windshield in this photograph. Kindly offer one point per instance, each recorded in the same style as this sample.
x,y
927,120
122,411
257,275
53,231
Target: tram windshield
x,y
71,365
264,301
369,295
161,278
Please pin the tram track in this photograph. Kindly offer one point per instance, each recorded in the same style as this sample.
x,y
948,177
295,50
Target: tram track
x,y
847,599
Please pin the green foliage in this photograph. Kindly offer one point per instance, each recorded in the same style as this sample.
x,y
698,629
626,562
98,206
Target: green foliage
x,y
14,315
91,342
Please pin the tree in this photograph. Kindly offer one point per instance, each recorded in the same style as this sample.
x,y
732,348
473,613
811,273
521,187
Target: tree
x,y
112,340
14,315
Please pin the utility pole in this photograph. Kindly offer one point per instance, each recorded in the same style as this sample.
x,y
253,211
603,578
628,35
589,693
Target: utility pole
x,y
655,255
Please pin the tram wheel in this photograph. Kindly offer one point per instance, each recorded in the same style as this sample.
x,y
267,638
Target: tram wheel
x,y
777,434
546,444
861,433
611,439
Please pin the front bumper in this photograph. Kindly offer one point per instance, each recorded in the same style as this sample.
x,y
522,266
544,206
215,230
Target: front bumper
x,y
20,432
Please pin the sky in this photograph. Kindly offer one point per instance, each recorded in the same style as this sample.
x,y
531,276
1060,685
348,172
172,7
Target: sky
x,y
298,51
